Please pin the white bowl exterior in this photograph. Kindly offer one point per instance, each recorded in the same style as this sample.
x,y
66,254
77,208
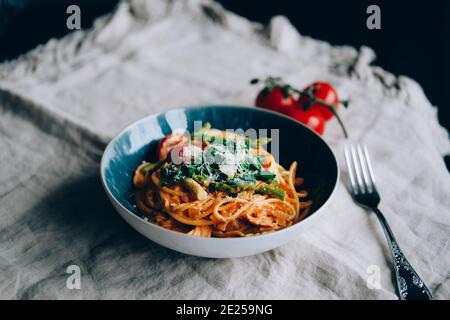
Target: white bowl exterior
x,y
210,247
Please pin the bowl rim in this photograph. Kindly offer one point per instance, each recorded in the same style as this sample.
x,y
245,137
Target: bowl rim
x,y
262,236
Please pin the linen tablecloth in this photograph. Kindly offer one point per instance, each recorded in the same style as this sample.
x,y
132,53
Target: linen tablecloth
x,y
62,102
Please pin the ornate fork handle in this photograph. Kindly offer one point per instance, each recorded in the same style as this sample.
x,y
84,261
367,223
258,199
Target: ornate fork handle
x,y
409,284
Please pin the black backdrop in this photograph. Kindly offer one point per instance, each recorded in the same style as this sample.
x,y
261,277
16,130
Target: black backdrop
x,y
414,39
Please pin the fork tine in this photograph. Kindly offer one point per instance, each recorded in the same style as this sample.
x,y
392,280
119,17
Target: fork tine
x,y
350,170
357,167
369,167
365,171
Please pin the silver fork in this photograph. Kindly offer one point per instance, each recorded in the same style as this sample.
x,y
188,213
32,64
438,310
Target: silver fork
x,y
365,194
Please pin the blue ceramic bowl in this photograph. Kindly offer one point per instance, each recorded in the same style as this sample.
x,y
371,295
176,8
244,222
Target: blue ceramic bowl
x,y
317,164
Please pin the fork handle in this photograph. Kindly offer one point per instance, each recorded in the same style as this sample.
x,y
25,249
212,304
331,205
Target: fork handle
x,y
409,284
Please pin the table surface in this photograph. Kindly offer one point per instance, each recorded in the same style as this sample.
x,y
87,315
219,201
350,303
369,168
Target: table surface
x,y
61,103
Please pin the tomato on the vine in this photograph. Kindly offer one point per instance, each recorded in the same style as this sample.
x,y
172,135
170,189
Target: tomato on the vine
x,y
322,91
169,142
313,106
276,100
312,118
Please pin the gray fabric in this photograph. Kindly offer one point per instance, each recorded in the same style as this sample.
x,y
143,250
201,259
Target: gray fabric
x,y
62,102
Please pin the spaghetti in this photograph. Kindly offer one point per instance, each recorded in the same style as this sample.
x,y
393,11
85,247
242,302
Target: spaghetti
x,y
218,184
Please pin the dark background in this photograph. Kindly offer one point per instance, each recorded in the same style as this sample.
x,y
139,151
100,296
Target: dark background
x,y
414,39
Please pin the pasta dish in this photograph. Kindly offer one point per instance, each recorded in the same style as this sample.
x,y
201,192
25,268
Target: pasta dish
x,y
214,183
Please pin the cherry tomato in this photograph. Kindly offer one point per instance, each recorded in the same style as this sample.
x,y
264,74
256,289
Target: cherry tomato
x,y
275,100
169,142
184,153
267,163
325,92
313,118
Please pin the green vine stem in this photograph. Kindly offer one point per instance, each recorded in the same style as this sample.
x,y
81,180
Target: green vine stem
x,y
328,106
